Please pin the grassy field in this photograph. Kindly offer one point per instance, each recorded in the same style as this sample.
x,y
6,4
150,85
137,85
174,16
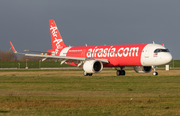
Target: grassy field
x,y
32,64
70,93
52,64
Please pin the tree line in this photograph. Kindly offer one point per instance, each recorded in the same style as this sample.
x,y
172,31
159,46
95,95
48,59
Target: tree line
x,y
11,56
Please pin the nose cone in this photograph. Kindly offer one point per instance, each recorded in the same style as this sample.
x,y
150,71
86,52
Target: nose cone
x,y
168,58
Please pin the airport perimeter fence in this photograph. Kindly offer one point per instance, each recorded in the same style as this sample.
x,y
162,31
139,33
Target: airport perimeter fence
x,y
54,64
32,64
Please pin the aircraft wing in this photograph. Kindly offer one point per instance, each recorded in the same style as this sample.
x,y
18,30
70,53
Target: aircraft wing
x,y
67,58
63,59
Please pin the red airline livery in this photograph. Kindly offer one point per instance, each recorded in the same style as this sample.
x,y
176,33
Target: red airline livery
x,y
143,57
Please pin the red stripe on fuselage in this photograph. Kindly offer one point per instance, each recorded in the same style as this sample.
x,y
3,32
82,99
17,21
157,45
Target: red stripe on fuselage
x,y
118,55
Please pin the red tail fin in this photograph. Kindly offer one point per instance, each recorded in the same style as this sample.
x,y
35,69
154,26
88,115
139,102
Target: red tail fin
x,y
57,41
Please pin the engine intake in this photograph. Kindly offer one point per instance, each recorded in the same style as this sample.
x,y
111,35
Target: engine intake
x,y
93,66
142,69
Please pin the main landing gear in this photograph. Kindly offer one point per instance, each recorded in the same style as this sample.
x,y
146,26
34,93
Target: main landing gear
x,y
155,73
87,74
120,72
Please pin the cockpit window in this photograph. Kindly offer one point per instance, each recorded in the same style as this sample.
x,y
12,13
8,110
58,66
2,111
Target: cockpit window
x,y
161,50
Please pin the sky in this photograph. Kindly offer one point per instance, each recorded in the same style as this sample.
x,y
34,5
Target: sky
x,y
91,22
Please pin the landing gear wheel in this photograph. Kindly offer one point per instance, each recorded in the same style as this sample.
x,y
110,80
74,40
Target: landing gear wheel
x,y
123,72
87,74
90,74
155,73
120,72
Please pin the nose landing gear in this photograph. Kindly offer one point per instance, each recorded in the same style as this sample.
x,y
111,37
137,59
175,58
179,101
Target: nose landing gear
x,y
155,73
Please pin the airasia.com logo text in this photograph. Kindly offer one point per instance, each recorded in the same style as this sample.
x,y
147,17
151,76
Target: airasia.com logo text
x,y
112,52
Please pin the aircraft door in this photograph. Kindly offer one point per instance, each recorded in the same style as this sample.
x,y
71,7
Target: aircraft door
x,y
83,53
147,51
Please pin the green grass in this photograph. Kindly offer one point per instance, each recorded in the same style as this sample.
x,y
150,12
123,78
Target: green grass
x,y
96,95
52,64
175,63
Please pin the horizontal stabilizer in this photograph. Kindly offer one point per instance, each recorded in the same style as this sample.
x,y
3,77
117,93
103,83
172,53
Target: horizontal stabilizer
x,y
37,51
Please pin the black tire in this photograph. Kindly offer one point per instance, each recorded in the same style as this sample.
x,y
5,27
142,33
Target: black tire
x,y
118,72
156,73
85,74
90,74
123,72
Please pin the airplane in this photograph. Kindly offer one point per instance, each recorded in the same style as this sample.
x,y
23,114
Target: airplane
x,y
143,57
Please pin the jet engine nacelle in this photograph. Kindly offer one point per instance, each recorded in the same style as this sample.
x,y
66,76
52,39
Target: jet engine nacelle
x,y
93,66
142,69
